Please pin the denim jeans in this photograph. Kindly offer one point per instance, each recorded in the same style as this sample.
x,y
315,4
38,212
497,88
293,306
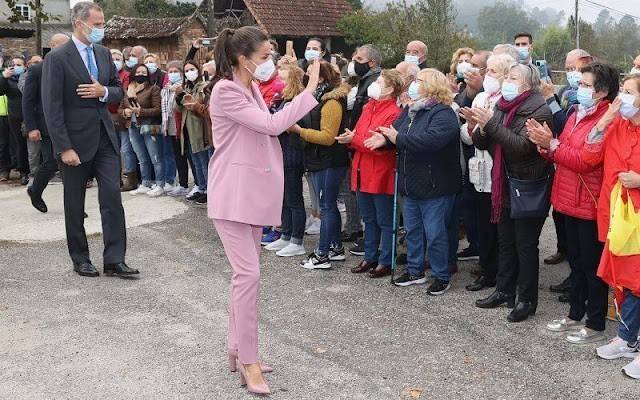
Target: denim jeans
x,y
327,183
452,230
630,313
294,215
377,213
126,152
147,149
168,158
430,217
200,162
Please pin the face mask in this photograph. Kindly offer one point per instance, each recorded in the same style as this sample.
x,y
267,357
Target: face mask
x,y
627,109
18,70
490,84
412,59
118,64
510,90
361,68
463,68
311,55
634,70
412,92
152,67
524,53
264,71
174,77
96,35
585,97
573,78
140,79
191,75
132,62
351,69
374,91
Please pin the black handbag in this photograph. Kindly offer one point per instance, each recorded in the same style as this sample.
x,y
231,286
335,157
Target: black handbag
x,y
530,198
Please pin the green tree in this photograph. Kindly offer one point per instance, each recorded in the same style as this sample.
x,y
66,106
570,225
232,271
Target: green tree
x,y
355,4
163,8
498,23
554,44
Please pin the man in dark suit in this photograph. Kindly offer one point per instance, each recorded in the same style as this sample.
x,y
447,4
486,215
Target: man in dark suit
x,y
78,80
36,128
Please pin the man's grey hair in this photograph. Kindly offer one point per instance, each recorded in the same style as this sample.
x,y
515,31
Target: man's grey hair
x,y
116,51
530,74
485,54
80,12
141,48
507,48
373,53
579,53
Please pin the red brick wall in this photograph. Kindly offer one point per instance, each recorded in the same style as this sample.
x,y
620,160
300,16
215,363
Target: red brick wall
x,y
16,46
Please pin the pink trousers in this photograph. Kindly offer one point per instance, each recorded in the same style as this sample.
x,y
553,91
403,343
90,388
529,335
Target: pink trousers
x,y
242,246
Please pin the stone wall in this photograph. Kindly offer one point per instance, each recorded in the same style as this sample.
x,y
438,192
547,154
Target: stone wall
x,y
17,46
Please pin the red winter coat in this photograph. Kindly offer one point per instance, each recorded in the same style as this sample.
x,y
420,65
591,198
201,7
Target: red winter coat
x,y
576,185
372,171
271,90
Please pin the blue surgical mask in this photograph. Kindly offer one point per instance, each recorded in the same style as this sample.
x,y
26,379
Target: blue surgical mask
x,y
153,67
174,77
18,70
413,92
311,55
118,64
573,78
96,35
510,90
627,109
412,59
585,97
524,53
132,62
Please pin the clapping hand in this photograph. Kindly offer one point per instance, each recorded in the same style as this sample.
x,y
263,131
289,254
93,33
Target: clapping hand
x,y
540,135
346,137
376,141
390,133
467,114
482,115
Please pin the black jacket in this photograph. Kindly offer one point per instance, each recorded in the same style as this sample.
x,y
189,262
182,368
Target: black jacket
x,y
361,98
32,101
9,87
318,157
428,153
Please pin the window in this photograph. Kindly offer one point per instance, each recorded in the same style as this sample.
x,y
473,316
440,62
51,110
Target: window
x,y
24,10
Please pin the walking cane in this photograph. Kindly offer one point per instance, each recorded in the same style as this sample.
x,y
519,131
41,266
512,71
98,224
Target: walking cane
x,y
394,235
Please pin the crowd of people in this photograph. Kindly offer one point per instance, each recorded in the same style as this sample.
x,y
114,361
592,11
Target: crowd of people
x,y
410,154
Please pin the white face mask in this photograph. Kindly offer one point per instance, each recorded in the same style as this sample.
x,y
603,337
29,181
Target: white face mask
x,y
374,91
412,59
191,75
491,85
351,69
463,68
634,71
264,71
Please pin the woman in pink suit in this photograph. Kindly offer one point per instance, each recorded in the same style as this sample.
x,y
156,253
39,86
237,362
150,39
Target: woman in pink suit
x,y
246,177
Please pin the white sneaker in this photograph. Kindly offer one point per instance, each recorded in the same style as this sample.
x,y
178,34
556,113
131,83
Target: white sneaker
x,y
156,191
585,336
178,191
309,221
617,348
292,250
140,190
342,207
168,187
632,369
195,189
316,262
564,325
277,245
314,229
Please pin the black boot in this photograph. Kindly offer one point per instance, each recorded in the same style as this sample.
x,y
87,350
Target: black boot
x,y
497,299
562,287
480,283
522,311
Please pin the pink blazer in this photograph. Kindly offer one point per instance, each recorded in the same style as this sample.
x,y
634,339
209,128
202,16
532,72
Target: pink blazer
x,y
246,172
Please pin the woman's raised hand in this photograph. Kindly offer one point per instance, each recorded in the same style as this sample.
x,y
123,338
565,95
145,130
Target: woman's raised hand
x,y
314,75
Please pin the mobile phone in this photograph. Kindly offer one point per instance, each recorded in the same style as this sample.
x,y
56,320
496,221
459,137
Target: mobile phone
x,y
334,61
543,69
290,51
207,41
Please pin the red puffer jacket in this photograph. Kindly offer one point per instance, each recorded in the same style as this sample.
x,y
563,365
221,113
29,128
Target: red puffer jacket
x,y
373,171
576,186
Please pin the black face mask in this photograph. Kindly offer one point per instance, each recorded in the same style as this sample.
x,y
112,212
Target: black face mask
x,y
140,79
361,68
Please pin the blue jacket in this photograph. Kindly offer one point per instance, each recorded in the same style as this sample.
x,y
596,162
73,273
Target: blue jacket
x,y
428,153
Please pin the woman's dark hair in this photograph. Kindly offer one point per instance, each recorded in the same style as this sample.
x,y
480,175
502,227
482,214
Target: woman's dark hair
x,y
323,45
233,43
329,74
135,69
184,77
607,78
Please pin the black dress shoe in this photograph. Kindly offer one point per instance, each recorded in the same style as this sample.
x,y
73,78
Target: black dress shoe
x,y
496,300
24,180
37,202
564,298
351,237
86,269
555,259
121,269
521,312
562,287
363,267
480,283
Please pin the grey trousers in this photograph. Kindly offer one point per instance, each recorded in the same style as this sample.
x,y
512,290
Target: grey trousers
x,y
33,151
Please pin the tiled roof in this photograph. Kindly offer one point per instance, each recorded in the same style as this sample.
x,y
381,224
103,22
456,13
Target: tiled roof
x,y
144,28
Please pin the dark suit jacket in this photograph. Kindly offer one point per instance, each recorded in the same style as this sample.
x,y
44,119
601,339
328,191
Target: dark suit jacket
x,y
32,113
74,122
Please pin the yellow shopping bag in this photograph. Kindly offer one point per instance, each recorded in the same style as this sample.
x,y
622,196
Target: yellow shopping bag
x,y
624,227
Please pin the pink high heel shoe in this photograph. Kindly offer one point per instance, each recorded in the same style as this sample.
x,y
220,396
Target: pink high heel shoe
x,y
233,360
258,389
